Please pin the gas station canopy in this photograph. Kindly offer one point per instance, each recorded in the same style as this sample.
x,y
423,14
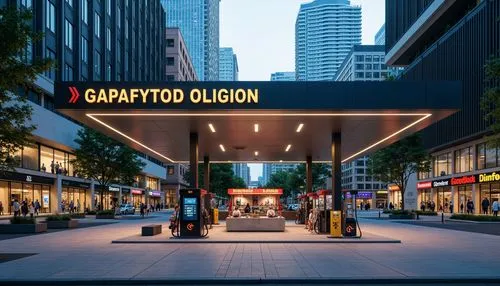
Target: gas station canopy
x,y
258,121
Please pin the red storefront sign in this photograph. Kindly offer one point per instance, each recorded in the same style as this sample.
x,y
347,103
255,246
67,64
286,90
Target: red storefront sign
x,y
255,191
463,180
424,185
136,192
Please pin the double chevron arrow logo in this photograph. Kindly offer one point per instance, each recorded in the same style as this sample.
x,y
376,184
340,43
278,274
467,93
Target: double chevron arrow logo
x,y
74,94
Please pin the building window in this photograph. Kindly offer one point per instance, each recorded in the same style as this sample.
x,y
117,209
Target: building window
x,y
68,34
442,165
368,59
108,7
70,3
486,156
463,160
85,11
97,65
26,3
360,75
376,75
85,50
170,170
108,39
50,16
368,67
368,75
376,66
68,73
170,77
50,73
170,43
97,25
118,17
361,186
108,72
170,61
360,58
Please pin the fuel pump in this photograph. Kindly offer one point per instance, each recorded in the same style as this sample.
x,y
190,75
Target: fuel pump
x,y
351,218
191,222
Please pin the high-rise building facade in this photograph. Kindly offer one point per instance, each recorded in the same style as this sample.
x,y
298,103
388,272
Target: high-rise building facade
x,y
450,40
270,169
88,40
363,63
243,171
179,66
380,36
198,21
228,65
325,32
283,76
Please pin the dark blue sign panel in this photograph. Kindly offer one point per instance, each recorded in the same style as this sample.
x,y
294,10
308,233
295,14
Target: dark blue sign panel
x,y
190,209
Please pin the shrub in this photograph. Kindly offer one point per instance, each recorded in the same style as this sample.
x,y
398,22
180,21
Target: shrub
x,y
106,212
22,220
58,217
401,212
386,211
427,213
77,215
475,217
91,213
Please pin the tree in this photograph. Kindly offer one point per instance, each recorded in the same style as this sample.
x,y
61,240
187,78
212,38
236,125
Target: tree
x,y
104,159
320,173
281,180
222,178
490,102
17,74
397,162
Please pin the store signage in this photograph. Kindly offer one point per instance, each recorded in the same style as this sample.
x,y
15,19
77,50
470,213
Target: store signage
x,y
26,178
136,192
113,189
154,194
441,183
164,96
255,191
463,180
393,188
424,185
45,200
489,177
360,195
125,190
67,183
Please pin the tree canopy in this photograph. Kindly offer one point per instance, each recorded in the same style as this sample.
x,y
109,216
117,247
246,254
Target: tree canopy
x,y
18,71
295,180
397,162
222,178
490,103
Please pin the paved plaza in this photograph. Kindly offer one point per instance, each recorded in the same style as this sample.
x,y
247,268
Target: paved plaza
x,y
88,254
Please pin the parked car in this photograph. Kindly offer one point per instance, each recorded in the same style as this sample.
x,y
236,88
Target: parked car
x,y
127,209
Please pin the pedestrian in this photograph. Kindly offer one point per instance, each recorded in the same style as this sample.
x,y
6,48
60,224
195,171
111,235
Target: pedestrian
x,y
52,167
32,209
71,207
451,207
422,206
433,206
141,208
37,207
58,171
78,205
24,208
496,207
63,206
43,168
485,205
391,206
16,207
470,207
1,208
462,207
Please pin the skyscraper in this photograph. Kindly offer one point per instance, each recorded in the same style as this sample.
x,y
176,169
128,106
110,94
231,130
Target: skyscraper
x,y
228,65
283,76
380,36
243,171
325,32
199,24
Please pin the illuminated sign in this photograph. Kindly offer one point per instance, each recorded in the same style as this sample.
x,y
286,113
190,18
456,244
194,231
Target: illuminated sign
x,y
489,177
113,189
164,95
136,192
441,183
424,185
463,180
255,191
154,194
393,188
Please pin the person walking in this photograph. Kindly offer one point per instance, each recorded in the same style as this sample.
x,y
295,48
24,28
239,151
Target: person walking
x,y
141,208
71,207
485,205
1,208
16,207
24,208
32,209
470,207
451,207
37,207
495,207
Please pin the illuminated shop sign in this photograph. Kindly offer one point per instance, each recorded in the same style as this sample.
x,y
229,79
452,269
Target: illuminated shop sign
x,y
154,194
393,188
488,177
136,192
164,96
255,191
424,185
441,183
113,189
463,180
360,195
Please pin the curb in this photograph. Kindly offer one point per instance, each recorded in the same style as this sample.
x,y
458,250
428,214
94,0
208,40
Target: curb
x,y
200,241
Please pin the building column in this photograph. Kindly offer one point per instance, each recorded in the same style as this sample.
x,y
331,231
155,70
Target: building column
x,y
309,182
193,159
92,195
120,196
206,173
476,198
454,199
58,194
337,171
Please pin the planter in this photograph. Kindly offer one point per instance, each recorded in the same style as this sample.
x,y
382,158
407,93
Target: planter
x,y
22,228
402,216
106,216
78,215
62,224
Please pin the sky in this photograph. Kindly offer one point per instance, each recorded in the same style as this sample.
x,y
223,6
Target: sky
x,y
262,34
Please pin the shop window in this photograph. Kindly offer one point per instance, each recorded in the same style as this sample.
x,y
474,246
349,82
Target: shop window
x,y
46,159
463,160
442,165
170,170
30,157
486,156
4,197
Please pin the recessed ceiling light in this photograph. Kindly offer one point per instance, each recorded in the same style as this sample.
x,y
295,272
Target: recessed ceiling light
x,y
288,147
212,128
281,161
222,148
301,125
256,128
256,153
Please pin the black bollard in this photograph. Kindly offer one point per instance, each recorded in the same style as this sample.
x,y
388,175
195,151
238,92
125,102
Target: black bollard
x,y
442,217
379,213
417,216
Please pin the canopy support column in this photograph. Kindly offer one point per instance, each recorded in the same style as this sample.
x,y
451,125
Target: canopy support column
x,y
309,185
337,171
206,173
193,159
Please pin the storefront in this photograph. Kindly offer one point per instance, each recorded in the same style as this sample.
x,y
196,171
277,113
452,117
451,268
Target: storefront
x,y
154,197
137,197
171,198
23,187
394,196
424,196
76,194
489,191
126,196
381,199
106,197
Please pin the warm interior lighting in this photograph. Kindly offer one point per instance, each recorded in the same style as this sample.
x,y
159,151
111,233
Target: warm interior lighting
x,y
256,153
256,128
301,125
281,161
212,128
288,147
222,148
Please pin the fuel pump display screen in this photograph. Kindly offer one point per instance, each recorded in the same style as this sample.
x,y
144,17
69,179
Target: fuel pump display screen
x,y
190,209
